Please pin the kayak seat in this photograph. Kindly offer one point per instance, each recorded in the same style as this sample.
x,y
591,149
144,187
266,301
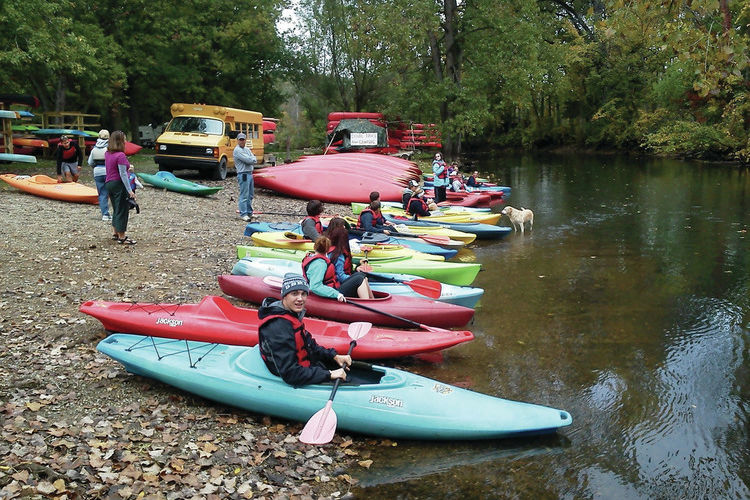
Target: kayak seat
x,y
165,176
210,305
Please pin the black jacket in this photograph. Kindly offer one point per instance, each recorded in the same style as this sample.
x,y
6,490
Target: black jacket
x,y
278,345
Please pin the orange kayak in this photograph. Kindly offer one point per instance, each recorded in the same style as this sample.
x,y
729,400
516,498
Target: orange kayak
x,y
44,186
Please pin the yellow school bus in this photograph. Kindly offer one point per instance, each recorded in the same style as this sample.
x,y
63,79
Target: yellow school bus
x,y
202,137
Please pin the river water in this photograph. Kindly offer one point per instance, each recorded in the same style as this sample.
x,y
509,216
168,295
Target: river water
x,y
628,305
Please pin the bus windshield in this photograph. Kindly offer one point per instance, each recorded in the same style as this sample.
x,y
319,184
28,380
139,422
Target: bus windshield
x,y
196,124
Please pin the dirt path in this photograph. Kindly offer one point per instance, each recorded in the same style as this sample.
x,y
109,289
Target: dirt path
x,y
74,423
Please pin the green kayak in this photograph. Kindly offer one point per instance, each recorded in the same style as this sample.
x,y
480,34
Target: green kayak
x,y
168,181
453,273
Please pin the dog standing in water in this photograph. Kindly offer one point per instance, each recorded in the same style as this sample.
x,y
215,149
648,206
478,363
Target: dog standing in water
x,y
519,217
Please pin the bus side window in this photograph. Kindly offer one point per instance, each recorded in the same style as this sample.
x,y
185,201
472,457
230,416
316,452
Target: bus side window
x,y
227,129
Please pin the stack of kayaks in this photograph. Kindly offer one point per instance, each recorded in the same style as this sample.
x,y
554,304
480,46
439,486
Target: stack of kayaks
x,y
44,186
415,309
454,273
170,182
215,320
394,284
378,400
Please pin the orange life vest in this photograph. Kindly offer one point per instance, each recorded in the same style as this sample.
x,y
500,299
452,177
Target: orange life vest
x,y
329,279
299,343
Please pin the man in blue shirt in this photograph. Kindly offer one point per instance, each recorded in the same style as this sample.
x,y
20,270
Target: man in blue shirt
x,y
244,159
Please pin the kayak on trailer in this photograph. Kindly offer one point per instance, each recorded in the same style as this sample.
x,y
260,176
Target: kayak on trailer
x,y
44,186
216,320
419,310
453,273
288,239
482,231
170,182
11,157
60,131
420,245
394,284
4,113
375,400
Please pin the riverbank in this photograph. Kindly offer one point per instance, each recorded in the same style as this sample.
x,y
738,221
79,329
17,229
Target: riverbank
x,y
76,424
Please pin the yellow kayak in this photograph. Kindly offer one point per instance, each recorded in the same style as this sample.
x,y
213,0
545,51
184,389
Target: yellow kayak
x,y
288,239
466,238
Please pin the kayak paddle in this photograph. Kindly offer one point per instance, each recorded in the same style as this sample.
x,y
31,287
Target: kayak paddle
x,y
322,426
423,286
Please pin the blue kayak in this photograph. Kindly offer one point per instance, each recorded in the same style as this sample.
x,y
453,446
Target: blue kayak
x,y
377,400
483,231
414,244
466,296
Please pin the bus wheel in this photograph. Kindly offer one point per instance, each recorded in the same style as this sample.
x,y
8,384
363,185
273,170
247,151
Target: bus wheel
x,y
220,173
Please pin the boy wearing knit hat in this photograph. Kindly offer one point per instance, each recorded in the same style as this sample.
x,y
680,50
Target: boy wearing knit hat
x,y
287,348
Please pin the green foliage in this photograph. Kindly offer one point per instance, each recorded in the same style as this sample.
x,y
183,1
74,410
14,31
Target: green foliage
x,y
689,138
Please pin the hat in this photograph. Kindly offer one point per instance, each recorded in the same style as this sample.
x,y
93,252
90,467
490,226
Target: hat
x,y
64,137
293,281
413,183
104,134
241,136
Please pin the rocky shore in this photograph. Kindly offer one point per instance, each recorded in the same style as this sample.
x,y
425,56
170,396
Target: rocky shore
x,y
74,423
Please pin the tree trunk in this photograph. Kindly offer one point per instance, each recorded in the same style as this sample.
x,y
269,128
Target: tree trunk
x,y
726,16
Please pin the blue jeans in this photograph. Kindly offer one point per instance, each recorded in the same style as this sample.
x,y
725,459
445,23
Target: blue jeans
x,y
103,202
247,191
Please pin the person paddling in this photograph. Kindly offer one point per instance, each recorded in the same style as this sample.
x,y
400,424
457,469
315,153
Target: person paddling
x,y
320,272
311,225
287,348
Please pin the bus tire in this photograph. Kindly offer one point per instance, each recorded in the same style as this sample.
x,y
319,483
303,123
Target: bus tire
x,y
220,172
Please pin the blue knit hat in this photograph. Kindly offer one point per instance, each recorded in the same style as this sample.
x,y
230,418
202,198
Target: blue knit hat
x,y
293,281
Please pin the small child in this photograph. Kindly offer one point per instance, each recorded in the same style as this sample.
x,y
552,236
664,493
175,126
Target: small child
x,y
134,182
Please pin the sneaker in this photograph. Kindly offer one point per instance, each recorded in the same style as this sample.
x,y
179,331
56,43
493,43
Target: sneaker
x,y
247,218
106,218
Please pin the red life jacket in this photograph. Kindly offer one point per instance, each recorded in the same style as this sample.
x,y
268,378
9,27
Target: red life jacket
x,y
444,173
69,154
316,219
299,342
377,218
412,200
347,260
329,279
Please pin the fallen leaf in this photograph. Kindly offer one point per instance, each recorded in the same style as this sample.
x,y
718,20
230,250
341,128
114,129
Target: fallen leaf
x,y
33,406
365,463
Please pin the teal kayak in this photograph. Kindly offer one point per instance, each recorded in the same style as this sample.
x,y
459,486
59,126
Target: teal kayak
x,y
453,273
376,400
168,181
393,284
17,158
59,131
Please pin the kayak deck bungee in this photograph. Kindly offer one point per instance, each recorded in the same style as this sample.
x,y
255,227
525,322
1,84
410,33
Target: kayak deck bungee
x,y
377,400
453,273
215,320
46,187
170,182
415,309
380,282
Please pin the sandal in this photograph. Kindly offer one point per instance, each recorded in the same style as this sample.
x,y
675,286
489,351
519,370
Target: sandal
x,y
115,237
126,241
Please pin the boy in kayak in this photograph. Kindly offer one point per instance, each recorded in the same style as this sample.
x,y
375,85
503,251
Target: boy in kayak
x,y
289,350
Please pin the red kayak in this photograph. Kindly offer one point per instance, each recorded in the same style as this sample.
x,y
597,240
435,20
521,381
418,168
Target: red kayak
x,y
423,311
214,319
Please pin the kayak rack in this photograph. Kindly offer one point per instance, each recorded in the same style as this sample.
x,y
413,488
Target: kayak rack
x,y
153,344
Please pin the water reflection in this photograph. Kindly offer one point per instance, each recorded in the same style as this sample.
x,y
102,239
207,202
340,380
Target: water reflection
x,y
627,306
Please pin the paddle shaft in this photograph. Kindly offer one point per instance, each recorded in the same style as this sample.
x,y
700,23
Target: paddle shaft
x,y
372,309
336,384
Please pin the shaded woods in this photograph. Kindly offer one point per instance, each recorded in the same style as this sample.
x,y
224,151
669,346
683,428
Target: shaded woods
x,y
665,77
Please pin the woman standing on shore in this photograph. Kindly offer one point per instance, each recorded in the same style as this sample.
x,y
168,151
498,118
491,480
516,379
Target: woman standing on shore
x,y
118,186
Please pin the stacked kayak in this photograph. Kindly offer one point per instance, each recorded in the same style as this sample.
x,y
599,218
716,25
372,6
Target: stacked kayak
x,y
168,181
378,400
288,239
418,310
215,320
454,273
394,284
417,244
41,185
19,158
357,174
482,231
